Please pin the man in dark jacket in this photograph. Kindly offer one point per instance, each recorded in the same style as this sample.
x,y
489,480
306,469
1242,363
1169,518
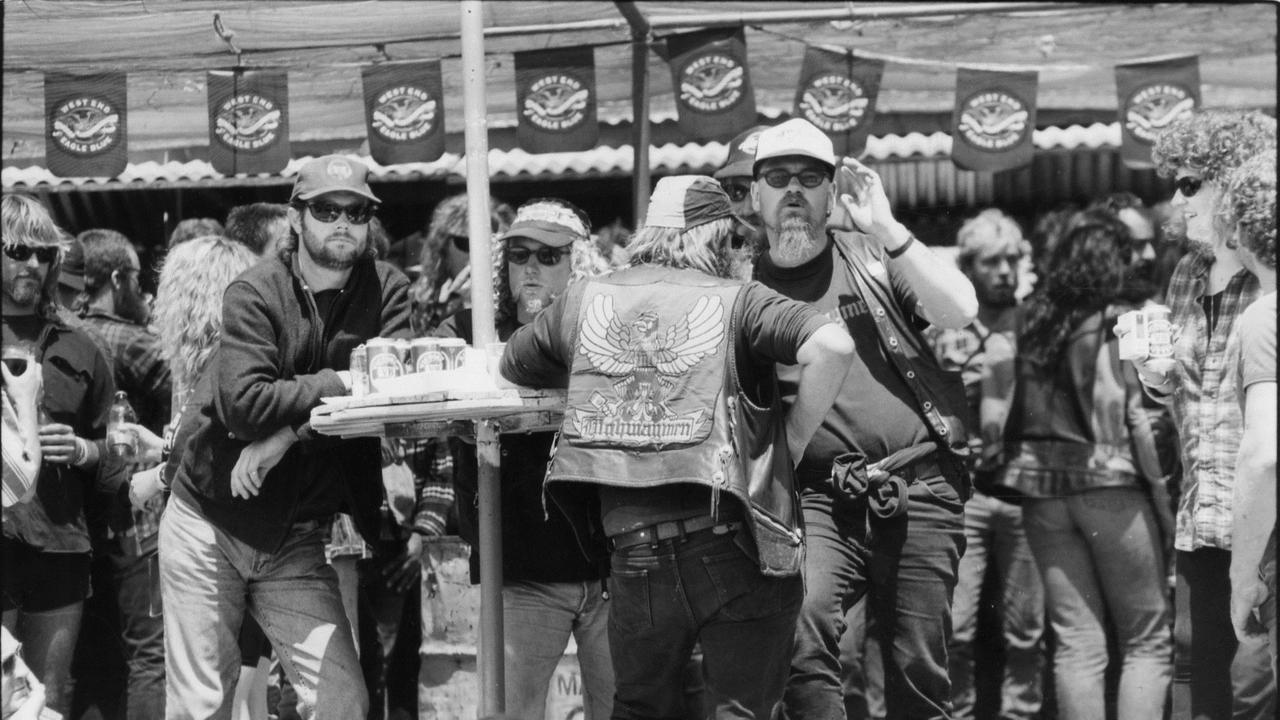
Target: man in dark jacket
x,y
554,561
672,417
46,540
255,490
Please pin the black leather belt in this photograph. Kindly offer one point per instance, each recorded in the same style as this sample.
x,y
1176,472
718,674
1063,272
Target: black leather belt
x,y
672,529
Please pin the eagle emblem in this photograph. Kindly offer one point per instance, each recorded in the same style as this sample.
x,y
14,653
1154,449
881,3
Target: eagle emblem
x,y
644,357
834,103
1155,107
993,120
712,82
557,102
85,126
404,113
248,122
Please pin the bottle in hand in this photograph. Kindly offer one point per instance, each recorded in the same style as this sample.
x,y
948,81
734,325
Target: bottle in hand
x,y
123,443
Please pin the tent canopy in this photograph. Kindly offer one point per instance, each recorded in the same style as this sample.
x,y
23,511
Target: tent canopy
x,y
167,45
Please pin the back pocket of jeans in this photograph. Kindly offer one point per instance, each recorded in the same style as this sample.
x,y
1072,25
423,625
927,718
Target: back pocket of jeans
x,y
743,592
629,608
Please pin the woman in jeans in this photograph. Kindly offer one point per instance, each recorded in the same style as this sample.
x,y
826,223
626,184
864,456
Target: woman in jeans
x,y
1083,457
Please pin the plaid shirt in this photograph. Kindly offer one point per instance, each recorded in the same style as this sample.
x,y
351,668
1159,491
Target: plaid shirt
x,y
139,370
1205,402
134,353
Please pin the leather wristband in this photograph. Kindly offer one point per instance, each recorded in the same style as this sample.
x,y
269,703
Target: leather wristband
x,y
896,253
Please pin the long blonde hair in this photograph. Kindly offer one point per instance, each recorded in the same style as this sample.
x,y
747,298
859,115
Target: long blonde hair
x,y
188,307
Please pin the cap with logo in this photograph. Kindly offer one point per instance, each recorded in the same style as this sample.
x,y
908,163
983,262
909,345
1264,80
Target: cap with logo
x,y
549,223
742,154
687,201
72,271
332,173
795,137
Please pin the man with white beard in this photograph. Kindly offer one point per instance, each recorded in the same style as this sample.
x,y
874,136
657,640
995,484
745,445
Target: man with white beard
x,y
896,416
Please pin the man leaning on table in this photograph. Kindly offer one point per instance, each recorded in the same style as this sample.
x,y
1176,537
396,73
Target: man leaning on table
x,y
670,417
255,491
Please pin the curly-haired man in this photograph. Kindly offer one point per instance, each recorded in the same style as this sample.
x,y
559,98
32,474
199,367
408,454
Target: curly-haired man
x,y
1207,294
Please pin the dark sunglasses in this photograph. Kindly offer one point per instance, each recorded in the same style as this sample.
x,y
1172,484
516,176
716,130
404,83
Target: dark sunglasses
x,y
462,242
1188,185
548,256
327,212
780,178
45,254
737,192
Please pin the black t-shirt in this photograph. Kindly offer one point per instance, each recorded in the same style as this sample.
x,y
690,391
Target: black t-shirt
x,y
876,410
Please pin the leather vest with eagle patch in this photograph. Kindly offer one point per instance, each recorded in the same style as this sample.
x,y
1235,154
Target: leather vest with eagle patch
x,y
654,399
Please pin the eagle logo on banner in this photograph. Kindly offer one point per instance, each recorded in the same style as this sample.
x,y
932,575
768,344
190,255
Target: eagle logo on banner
x,y
712,83
993,120
1152,108
643,356
86,126
557,102
834,103
247,122
404,113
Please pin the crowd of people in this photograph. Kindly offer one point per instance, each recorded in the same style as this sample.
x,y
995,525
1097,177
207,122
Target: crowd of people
x,y
799,451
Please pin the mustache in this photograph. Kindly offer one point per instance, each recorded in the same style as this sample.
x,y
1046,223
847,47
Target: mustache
x,y
793,196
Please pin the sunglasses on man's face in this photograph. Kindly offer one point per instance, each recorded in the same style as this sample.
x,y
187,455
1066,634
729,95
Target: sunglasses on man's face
x,y
462,242
737,192
1188,185
548,256
781,177
45,254
327,212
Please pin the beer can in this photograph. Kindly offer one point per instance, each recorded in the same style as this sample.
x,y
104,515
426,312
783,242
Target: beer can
x,y
384,359
1159,331
452,349
359,368
426,356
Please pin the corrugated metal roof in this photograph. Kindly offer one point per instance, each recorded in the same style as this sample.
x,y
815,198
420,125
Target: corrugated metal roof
x,y
516,164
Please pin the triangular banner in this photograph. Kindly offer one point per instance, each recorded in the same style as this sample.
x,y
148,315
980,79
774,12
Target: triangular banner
x,y
1151,97
712,82
837,93
556,100
404,112
248,121
994,118
85,124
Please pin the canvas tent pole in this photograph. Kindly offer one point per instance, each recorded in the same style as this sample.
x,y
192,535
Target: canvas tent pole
x,y
489,645
794,13
639,109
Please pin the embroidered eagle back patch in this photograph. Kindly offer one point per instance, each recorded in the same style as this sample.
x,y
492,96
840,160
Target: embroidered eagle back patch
x,y
642,378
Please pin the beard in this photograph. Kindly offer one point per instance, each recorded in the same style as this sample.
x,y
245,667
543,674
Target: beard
x,y
997,297
330,255
796,238
532,300
26,289
133,306
1140,282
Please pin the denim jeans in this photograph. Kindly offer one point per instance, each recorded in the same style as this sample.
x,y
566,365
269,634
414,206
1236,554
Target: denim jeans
x,y
862,671
994,540
209,580
121,642
538,619
1215,677
906,566
1100,555
702,588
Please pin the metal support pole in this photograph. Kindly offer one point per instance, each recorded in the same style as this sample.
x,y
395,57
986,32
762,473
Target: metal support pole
x,y
640,130
489,649
489,653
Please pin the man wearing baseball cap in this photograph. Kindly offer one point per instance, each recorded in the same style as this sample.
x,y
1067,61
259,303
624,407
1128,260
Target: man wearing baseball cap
x,y
889,456
254,491
735,178
661,361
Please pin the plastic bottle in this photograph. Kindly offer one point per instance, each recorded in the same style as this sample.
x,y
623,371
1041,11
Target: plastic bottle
x,y
124,444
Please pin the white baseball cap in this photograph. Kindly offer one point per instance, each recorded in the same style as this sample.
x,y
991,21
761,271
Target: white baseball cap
x,y
794,137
